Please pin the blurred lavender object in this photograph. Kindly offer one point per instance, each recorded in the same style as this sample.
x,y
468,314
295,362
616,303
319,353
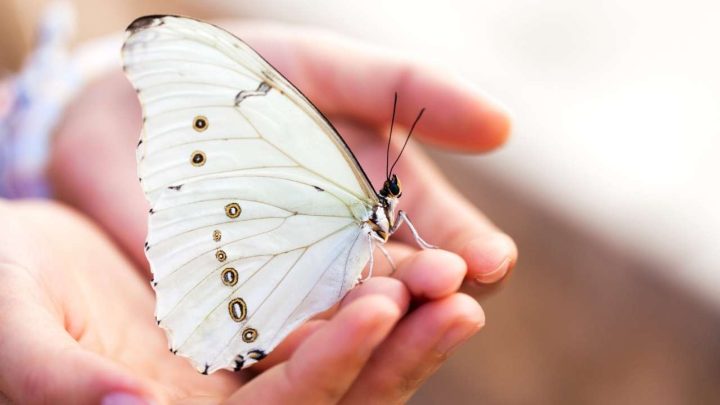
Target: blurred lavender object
x,y
34,100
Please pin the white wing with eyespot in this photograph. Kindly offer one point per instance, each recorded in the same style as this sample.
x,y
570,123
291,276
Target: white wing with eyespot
x,y
259,209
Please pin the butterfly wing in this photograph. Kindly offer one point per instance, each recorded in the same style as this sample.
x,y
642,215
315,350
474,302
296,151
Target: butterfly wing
x,y
259,209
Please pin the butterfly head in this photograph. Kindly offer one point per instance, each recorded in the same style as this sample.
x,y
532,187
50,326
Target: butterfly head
x,y
391,188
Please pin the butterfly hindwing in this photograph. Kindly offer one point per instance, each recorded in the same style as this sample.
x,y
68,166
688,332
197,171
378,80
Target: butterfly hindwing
x,y
258,207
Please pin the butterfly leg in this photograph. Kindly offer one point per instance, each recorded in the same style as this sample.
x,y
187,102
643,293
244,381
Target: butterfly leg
x,y
371,264
388,257
402,217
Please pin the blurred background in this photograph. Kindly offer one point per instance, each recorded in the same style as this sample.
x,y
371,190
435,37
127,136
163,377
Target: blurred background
x,y
609,184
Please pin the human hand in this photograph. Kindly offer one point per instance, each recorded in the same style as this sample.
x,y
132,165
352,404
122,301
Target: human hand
x,y
93,168
77,327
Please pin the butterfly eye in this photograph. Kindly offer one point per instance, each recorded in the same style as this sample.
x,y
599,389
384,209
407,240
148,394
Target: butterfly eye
x,y
249,335
200,123
394,188
197,159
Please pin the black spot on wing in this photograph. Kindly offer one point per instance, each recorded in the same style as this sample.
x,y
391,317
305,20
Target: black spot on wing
x,y
319,188
176,188
144,22
257,354
262,90
207,367
239,363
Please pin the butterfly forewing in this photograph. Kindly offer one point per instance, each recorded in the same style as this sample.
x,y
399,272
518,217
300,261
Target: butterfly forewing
x,y
258,209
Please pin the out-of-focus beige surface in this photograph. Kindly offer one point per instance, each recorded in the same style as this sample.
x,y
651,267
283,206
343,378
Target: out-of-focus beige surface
x,y
578,322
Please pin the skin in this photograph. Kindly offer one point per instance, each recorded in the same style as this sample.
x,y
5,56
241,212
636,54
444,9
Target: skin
x,y
75,302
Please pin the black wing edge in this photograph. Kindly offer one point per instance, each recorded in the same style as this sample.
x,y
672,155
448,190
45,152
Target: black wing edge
x,y
147,21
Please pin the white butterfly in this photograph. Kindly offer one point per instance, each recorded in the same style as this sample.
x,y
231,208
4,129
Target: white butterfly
x,y
261,216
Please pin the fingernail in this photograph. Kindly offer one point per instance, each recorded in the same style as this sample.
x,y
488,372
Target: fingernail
x,y
494,275
457,335
124,398
490,258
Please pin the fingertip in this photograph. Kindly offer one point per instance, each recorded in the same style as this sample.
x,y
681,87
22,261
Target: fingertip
x,y
491,118
432,273
460,115
467,319
468,310
490,257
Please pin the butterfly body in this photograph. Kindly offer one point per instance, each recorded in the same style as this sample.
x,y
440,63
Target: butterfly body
x,y
260,215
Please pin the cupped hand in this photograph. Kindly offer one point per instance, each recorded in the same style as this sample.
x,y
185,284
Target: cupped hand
x,y
77,327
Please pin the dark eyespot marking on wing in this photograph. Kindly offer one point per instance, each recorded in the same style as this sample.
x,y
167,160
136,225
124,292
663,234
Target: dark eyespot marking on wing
x,y
237,309
217,235
200,123
249,335
261,90
229,277
220,255
233,210
198,158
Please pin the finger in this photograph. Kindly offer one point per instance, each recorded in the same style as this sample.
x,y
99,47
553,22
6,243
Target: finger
x,y
387,287
416,348
432,274
326,364
358,81
41,363
444,217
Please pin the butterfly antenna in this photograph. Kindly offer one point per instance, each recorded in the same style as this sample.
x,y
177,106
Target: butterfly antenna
x,y
387,154
406,140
